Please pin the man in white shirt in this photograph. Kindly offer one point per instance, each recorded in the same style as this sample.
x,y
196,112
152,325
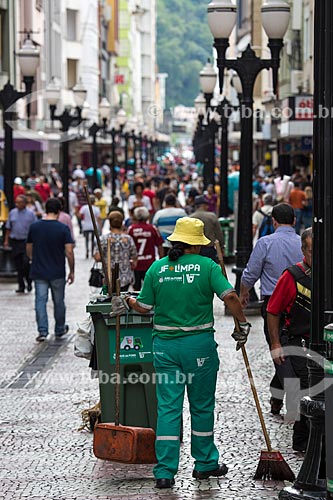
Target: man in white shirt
x,y
87,224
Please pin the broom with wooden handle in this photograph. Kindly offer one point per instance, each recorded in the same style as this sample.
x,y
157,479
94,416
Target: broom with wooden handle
x,y
271,464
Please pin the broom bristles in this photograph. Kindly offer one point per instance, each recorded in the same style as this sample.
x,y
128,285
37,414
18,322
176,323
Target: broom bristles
x,y
272,466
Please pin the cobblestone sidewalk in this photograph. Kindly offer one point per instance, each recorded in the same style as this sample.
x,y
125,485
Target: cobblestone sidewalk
x,y
44,456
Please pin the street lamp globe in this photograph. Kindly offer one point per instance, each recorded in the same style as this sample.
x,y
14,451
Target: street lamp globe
x,y
207,78
221,18
275,18
80,93
28,56
53,91
121,117
86,110
104,109
199,104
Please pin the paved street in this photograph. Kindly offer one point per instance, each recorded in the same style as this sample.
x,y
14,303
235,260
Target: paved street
x,y
44,456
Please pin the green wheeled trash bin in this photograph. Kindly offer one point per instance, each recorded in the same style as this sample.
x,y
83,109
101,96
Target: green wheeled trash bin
x,y
227,226
138,404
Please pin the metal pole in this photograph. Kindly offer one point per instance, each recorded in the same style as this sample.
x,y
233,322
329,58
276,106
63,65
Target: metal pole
x,y
8,97
310,482
244,222
205,155
329,450
113,170
10,167
224,212
213,128
326,234
134,149
141,149
95,161
126,151
65,174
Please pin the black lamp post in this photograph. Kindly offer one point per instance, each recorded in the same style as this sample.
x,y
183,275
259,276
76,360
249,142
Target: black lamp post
x,y
28,56
208,78
221,19
153,153
121,121
104,113
67,119
314,478
224,109
134,147
113,133
198,144
126,138
146,149
140,140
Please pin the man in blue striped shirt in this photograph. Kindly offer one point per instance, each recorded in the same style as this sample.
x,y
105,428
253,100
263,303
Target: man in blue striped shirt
x,y
270,257
166,218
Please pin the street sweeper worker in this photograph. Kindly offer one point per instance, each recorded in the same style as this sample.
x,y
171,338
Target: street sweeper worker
x,y
181,288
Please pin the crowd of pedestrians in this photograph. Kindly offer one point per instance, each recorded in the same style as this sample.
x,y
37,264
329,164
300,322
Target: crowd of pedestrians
x,y
295,189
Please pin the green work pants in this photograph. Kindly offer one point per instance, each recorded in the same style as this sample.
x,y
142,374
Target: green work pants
x,y
190,361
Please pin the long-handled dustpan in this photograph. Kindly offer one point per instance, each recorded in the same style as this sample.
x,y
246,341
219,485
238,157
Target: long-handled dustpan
x,y
118,443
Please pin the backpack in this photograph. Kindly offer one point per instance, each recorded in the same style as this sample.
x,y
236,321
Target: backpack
x,y
266,227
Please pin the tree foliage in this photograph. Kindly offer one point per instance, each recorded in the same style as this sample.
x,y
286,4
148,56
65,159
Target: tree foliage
x,y
184,42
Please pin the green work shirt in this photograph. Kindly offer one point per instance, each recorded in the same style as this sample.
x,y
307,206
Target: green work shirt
x,y
181,293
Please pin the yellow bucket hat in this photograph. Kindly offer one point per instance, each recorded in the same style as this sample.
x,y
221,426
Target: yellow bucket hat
x,y
189,230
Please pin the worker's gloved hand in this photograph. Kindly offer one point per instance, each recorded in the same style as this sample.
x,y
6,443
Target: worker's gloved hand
x,y
241,336
119,306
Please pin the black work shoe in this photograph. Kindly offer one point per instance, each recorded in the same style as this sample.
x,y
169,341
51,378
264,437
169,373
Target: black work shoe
x,y
164,483
220,471
61,334
29,287
41,338
276,406
301,447
19,290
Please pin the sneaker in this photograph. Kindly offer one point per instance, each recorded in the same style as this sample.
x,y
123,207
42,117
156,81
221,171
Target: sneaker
x,y
221,470
41,337
61,334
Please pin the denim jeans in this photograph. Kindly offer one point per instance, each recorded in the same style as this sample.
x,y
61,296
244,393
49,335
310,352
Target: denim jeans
x,y
58,296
